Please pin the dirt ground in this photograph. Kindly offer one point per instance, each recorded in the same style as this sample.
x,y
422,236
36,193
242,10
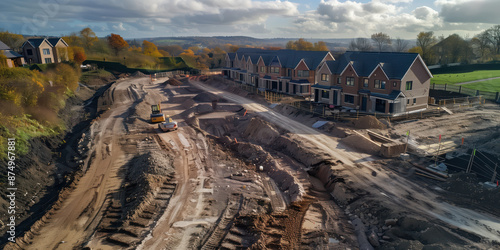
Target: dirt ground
x,y
243,175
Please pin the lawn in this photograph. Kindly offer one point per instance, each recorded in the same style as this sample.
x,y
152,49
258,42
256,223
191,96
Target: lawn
x,y
489,85
465,77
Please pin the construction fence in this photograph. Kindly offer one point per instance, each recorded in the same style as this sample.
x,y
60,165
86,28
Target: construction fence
x,y
492,96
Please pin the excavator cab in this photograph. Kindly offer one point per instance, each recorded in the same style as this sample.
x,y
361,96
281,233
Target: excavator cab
x,y
156,114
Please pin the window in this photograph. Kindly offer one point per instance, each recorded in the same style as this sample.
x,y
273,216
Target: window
x,y
339,80
379,84
48,60
30,52
407,101
275,70
303,73
349,81
46,51
409,85
394,84
325,77
348,98
365,82
414,100
262,69
325,94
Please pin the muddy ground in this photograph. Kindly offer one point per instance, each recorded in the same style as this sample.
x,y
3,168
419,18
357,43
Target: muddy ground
x,y
243,175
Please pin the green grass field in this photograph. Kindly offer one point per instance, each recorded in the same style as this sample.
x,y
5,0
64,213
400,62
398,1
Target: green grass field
x,y
464,77
488,85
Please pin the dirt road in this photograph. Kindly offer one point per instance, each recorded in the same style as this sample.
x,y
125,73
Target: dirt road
x,y
393,189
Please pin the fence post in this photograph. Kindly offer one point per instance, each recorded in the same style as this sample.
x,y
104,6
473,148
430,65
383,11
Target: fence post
x,y
460,89
477,92
445,86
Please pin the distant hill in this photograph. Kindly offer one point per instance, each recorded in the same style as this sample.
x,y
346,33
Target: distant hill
x,y
334,44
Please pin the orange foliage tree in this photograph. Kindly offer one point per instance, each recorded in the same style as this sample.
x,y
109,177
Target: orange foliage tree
x,y
150,49
117,43
78,54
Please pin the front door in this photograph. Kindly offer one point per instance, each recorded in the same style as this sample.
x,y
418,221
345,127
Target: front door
x,y
335,93
316,95
363,103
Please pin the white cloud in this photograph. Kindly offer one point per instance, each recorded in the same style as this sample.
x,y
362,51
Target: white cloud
x,y
118,27
470,11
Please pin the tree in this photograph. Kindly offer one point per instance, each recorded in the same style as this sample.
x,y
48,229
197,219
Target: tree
x,y
425,40
382,41
117,43
3,60
164,53
14,41
88,37
400,45
320,46
481,46
78,55
150,49
73,40
360,44
494,38
173,50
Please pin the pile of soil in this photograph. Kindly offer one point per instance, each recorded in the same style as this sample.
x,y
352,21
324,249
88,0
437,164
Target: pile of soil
x,y
368,122
465,187
173,82
205,97
138,74
261,131
145,174
361,143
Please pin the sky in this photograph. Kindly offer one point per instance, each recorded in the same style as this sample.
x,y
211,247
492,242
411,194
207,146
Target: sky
x,y
261,19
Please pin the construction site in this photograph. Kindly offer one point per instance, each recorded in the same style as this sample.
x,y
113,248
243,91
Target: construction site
x,y
247,170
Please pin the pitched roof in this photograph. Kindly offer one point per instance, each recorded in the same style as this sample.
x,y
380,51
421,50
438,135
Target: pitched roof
x,y
288,58
3,46
394,64
54,40
11,54
36,42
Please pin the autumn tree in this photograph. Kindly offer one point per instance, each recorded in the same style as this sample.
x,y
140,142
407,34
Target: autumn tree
x,y
78,55
303,44
425,40
3,60
360,44
150,49
173,50
164,53
381,41
14,41
117,43
73,39
88,38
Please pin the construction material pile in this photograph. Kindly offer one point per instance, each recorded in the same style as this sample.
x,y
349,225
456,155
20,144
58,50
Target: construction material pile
x,y
368,122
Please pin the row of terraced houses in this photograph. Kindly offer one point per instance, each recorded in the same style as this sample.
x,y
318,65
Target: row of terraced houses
x,y
384,82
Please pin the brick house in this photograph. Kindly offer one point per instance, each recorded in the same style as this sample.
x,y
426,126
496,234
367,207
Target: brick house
x,y
384,82
13,58
286,71
45,50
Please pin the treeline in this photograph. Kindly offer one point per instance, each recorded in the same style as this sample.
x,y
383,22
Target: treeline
x,y
481,48
143,54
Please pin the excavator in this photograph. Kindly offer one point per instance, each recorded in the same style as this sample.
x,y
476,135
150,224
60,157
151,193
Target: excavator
x,y
156,114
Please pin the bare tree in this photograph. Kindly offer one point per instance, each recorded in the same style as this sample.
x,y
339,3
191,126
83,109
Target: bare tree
x,y
360,44
494,38
425,40
382,41
400,45
481,46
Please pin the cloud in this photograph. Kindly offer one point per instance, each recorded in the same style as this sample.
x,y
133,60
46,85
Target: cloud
x,y
470,11
150,14
118,27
